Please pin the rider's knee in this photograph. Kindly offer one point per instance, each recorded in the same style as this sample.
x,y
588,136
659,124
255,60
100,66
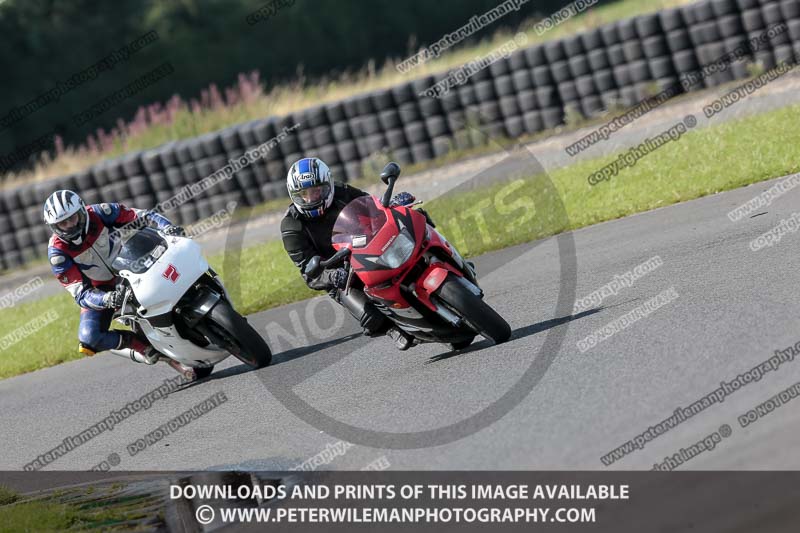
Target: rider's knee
x,y
89,335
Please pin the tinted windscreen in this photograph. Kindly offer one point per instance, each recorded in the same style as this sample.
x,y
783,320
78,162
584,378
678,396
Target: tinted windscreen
x,y
139,252
361,217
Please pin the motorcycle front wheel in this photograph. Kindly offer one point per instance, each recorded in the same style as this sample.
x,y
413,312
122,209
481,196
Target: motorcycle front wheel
x,y
238,336
478,314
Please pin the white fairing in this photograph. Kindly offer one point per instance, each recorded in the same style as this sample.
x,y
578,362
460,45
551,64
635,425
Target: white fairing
x,y
168,279
158,291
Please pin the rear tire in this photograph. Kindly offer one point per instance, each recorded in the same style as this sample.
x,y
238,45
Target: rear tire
x,y
241,340
477,313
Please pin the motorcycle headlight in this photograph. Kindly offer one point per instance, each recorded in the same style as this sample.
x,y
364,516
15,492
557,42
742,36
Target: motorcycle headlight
x,y
398,252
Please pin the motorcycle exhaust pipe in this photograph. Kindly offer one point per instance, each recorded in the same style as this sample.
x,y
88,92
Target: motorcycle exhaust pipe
x,y
133,355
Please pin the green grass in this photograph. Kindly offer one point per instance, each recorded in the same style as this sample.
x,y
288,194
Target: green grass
x,y
702,162
17,515
7,495
302,93
264,274
40,516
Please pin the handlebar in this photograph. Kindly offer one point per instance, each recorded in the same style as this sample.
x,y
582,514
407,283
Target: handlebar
x,y
125,289
335,258
315,265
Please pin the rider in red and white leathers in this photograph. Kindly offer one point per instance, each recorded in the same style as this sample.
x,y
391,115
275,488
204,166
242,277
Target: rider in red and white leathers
x,y
85,241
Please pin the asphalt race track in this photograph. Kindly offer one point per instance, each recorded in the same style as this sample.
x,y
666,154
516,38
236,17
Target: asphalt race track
x,y
536,402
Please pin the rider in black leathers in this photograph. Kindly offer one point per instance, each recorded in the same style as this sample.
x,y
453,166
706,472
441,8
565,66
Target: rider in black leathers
x,y
306,230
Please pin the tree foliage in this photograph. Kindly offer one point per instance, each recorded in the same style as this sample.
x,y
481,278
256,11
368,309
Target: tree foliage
x,y
207,41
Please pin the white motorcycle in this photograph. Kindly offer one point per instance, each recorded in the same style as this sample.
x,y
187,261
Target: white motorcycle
x,y
173,297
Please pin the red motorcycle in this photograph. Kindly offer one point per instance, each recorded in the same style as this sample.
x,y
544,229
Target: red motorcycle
x,y
410,272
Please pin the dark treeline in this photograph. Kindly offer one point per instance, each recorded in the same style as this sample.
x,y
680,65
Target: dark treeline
x,y
45,42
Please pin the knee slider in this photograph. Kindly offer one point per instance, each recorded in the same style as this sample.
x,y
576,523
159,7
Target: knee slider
x,y
86,350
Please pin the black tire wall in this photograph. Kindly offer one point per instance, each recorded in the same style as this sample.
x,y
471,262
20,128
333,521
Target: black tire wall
x,y
532,90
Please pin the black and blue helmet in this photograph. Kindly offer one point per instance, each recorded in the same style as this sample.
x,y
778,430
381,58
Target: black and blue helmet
x,y
310,186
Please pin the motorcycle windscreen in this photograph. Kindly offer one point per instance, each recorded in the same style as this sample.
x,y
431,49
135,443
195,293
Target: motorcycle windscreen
x,y
139,252
359,222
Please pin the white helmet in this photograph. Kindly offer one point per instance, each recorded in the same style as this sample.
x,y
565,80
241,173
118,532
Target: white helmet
x,y
310,186
66,214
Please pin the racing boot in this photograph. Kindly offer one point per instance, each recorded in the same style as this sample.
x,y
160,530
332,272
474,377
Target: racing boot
x,y
402,340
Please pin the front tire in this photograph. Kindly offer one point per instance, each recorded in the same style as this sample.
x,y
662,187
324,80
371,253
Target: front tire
x,y
478,314
460,345
238,336
201,372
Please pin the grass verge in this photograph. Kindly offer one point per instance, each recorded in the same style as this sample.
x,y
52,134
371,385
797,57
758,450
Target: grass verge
x,y
80,514
7,496
48,516
702,162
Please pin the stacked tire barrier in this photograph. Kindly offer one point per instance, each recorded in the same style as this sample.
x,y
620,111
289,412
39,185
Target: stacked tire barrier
x,y
531,90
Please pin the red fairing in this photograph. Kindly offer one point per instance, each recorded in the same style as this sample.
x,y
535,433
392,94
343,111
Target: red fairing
x,y
391,296
363,258
437,241
379,228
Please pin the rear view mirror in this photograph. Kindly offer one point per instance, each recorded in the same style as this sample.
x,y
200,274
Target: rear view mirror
x,y
390,171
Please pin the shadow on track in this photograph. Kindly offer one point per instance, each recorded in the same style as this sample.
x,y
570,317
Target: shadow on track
x,y
518,333
296,353
291,355
283,357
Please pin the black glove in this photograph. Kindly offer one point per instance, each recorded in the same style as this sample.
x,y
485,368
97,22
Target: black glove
x,y
402,198
336,278
113,299
175,230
